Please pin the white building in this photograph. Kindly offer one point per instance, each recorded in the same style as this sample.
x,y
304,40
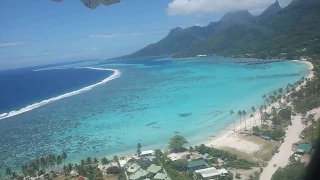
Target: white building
x,y
212,172
146,153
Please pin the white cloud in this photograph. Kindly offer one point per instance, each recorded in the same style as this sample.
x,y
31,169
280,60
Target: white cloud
x,y
94,48
125,34
185,7
11,44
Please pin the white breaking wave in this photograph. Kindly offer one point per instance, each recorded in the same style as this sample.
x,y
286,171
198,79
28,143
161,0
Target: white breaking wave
x,y
116,74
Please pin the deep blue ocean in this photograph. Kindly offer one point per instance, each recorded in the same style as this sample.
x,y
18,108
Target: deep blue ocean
x,y
22,87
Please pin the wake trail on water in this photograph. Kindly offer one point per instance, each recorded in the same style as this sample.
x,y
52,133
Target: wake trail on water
x,y
116,74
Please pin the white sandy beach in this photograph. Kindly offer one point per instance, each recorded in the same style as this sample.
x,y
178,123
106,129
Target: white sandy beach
x,y
229,138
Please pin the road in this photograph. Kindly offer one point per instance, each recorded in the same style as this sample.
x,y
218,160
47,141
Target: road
x,y
285,151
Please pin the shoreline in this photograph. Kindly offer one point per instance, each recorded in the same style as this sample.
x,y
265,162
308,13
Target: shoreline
x,y
224,133
228,131
116,74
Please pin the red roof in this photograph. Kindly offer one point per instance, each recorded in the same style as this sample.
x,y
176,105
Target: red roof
x,y
214,165
81,178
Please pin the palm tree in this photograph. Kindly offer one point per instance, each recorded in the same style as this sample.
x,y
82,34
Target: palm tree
x,y
64,157
261,114
234,125
138,149
240,115
254,111
43,163
191,150
251,116
89,160
65,170
95,160
24,170
14,175
59,161
83,162
244,113
280,90
264,97
51,159
275,93
8,172
70,167
104,161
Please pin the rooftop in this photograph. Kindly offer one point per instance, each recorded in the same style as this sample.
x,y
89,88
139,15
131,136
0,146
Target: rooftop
x,y
122,162
140,173
133,168
211,172
154,169
161,176
146,152
305,148
196,163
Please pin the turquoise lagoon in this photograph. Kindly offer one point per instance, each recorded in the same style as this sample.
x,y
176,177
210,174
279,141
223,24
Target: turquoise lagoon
x,y
153,99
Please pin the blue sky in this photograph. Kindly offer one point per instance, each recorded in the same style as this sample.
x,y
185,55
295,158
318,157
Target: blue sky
x,y
34,32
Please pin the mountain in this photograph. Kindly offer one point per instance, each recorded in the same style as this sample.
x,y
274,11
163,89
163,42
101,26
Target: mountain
x,y
239,16
291,32
271,10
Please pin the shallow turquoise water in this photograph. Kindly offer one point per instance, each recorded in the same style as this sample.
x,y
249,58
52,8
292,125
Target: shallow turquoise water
x,y
147,104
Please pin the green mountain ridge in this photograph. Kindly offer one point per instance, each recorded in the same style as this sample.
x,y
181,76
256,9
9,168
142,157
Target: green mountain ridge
x,y
290,33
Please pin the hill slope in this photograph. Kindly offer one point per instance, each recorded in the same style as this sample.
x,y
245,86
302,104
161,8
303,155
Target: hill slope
x,y
290,33
271,10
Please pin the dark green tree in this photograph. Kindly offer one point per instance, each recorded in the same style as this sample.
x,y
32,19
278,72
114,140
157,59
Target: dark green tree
x,y
176,143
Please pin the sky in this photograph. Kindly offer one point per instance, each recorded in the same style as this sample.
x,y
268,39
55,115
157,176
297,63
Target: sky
x,y
44,32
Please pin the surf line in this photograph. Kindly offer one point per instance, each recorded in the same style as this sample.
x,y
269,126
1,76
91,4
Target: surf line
x,y
116,74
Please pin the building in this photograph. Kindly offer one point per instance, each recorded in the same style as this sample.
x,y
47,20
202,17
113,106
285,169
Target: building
x,y
133,168
200,156
154,169
304,149
212,172
138,174
122,162
161,176
146,153
196,165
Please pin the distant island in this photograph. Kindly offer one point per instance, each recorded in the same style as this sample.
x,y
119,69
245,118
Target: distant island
x,y
289,33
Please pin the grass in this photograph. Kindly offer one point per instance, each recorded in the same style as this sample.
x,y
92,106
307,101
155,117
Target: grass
x,y
240,154
308,133
267,147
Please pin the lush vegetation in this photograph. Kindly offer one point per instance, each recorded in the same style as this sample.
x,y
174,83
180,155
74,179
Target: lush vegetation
x,y
176,170
288,33
294,171
52,166
176,143
230,160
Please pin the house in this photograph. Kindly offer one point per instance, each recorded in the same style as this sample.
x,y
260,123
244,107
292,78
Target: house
x,y
200,156
196,165
173,157
138,174
304,149
212,172
145,162
154,169
133,168
146,153
161,176
122,162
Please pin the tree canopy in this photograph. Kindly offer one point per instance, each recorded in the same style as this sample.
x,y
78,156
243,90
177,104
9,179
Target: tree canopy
x,y
176,143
